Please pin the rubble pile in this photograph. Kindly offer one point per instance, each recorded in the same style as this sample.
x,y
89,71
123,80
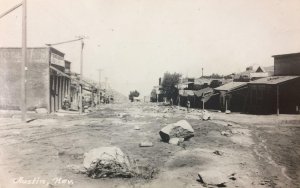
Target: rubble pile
x,y
107,162
181,130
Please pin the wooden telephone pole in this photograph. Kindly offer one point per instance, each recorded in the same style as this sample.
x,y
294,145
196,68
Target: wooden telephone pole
x,y
24,59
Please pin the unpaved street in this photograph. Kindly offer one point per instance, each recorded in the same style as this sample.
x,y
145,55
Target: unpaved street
x,y
261,151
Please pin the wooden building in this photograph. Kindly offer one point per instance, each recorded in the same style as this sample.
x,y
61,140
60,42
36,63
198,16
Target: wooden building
x,y
232,96
276,94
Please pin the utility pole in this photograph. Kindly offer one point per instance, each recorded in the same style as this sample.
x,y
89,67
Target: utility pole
x,y
23,67
81,72
106,83
99,70
202,72
24,59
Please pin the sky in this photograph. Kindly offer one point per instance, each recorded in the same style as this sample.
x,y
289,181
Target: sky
x,y
136,41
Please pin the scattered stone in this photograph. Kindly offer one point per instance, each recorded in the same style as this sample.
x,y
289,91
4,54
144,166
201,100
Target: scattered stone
x,y
181,129
41,110
77,169
226,133
60,153
217,152
165,110
205,115
176,141
227,112
229,125
232,176
146,144
136,127
107,162
212,177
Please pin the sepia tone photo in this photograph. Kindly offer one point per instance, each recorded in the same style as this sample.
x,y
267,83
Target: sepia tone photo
x,y
149,93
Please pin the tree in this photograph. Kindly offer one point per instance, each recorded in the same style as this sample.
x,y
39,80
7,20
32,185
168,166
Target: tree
x,y
169,85
133,94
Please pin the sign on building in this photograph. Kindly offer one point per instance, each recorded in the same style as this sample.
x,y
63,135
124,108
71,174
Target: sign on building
x,y
57,60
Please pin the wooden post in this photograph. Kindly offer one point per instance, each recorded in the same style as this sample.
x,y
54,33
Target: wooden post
x,y
24,59
81,72
277,96
56,94
202,104
225,104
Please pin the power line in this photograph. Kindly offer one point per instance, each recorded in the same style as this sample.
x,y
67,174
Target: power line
x,y
10,10
64,42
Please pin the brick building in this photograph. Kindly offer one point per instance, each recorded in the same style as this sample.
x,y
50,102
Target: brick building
x,y
47,78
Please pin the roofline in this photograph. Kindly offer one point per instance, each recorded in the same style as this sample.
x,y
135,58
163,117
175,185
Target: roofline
x,y
296,77
290,54
45,47
236,87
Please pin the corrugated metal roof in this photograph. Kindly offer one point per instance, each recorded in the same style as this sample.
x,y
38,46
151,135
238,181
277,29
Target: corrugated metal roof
x,y
204,91
274,80
230,86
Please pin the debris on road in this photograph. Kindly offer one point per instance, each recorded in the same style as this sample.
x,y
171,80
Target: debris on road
x,y
107,162
212,177
41,110
217,152
176,141
227,112
232,176
77,169
226,133
181,129
146,144
205,115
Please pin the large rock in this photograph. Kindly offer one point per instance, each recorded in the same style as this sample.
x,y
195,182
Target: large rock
x,y
107,162
181,129
213,177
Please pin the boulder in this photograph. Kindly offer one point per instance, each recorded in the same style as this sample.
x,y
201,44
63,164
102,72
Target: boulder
x,y
181,129
107,162
213,177
41,110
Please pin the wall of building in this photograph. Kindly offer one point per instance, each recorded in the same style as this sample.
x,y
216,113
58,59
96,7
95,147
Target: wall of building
x,y
287,65
263,98
37,87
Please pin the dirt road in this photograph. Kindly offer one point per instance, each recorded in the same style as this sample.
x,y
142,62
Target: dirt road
x,y
261,151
